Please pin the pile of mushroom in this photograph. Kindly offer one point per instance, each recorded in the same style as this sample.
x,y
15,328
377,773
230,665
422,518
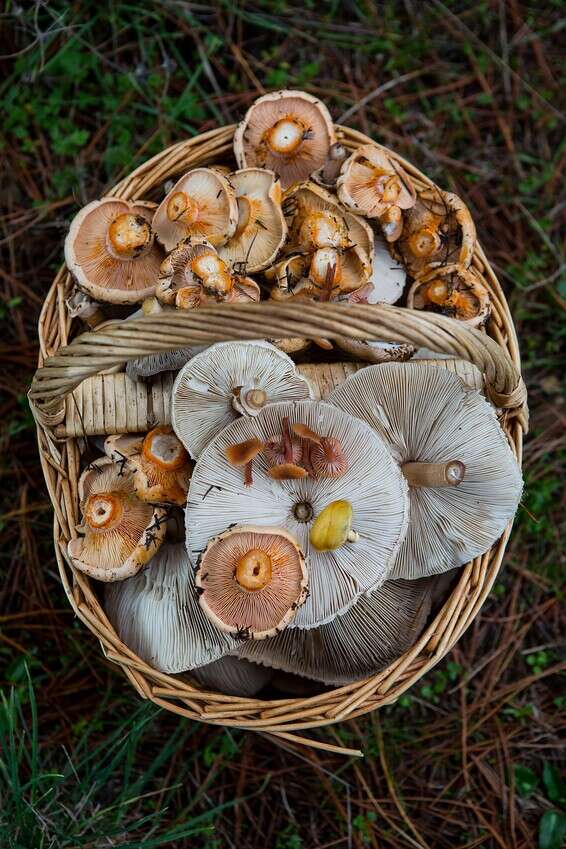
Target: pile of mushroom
x,y
257,527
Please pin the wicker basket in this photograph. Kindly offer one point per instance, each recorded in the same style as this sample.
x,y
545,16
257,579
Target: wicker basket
x,y
63,366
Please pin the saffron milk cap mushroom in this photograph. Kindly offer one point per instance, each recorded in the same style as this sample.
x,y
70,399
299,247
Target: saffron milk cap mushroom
x,y
464,482
251,581
111,252
288,132
157,615
378,628
227,380
372,484
119,534
261,230
454,291
202,204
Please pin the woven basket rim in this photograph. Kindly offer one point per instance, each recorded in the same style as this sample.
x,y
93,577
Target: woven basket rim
x,y
282,718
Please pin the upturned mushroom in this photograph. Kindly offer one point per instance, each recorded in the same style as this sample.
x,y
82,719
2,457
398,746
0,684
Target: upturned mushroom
x,y
228,380
378,628
111,252
464,482
373,184
251,581
437,229
157,615
159,463
201,204
454,291
288,132
373,485
261,230
119,533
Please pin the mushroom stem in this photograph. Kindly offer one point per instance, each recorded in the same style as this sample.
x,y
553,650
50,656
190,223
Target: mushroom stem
x,y
434,474
248,479
256,398
337,154
287,443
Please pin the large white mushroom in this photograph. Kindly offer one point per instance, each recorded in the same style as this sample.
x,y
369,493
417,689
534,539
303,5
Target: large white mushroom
x,y
464,482
227,380
284,495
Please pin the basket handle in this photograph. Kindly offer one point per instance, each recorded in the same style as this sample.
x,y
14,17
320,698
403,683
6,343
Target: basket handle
x,y
120,341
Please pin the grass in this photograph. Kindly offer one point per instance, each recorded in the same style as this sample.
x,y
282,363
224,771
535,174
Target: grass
x,y
470,92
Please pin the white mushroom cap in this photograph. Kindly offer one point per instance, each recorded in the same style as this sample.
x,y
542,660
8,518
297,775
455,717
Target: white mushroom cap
x,y
202,204
373,484
111,253
233,676
211,390
426,415
120,534
288,132
143,367
157,615
371,183
379,627
451,290
388,275
261,230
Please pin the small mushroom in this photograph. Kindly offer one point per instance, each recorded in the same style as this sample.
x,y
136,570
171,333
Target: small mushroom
x,y
227,380
454,291
242,454
332,528
233,676
252,581
328,173
464,482
378,628
373,184
160,465
157,615
316,220
111,253
120,534
79,305
288,132
201,204
261,230
437,229
373,484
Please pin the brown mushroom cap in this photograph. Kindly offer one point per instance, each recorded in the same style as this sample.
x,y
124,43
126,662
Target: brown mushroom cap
x,y
111,252
261,230
243,452
371,182
252,581
162,468
202,204
287,472
288,132
120,533
454,291
194,270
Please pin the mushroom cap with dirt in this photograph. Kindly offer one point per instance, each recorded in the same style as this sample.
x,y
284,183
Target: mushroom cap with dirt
x,y
372,484
159,463
157,615
251,581
437,229
119,534
201,204
431,421
371,183
227,380
261,230
288,132
378,628
111,252
454,291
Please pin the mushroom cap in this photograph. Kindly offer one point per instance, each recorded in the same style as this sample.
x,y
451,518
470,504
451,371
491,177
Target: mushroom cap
x,y
120,533
233,676
202,204
316,219
288,132
100,270
437,229
186,267
371,182
379,627
261,230
426,414
152,364
451,290
205,389
162,469
241,605
373,484
388,275
157,615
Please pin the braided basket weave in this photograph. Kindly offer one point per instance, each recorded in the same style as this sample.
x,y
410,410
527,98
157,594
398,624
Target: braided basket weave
x,y
64,365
